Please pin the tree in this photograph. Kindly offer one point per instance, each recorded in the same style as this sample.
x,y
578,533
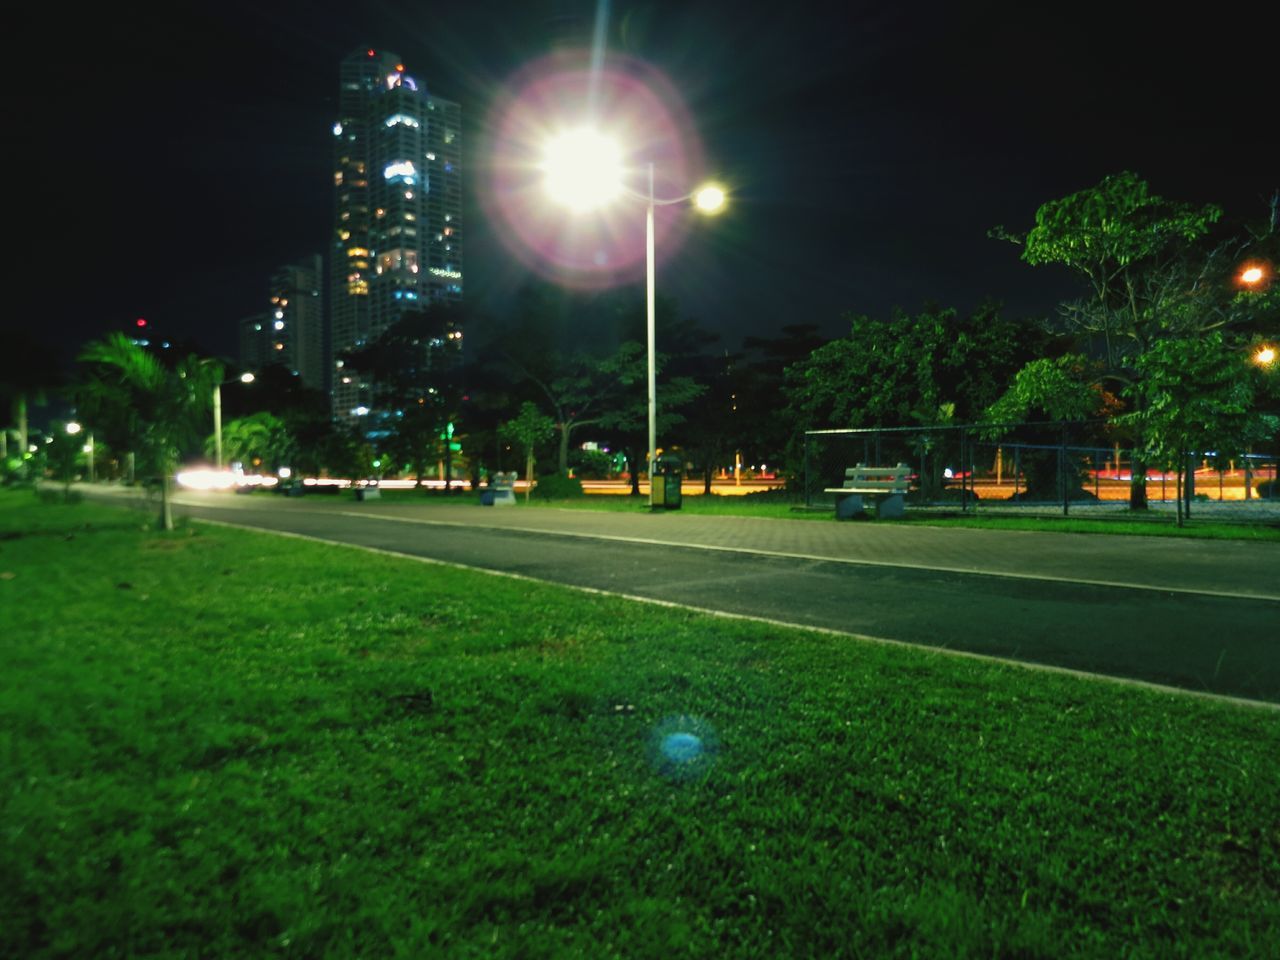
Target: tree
x,y
27,372
167,403
885,371
1153,270
418,388
527,430
261,438
1199,393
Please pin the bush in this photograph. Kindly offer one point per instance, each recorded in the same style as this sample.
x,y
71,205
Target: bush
x,y
555,486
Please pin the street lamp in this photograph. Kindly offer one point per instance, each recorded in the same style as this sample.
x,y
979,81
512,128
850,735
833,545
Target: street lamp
x,y
583,170
217,414
1265,356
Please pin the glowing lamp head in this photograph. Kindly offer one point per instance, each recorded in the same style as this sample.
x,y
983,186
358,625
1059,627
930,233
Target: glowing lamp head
x,y
1265,356
139,323
583,169
73,428
1251,275
246,378
709,199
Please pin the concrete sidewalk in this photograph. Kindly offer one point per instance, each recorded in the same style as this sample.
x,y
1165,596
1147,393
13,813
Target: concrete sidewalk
x,y
1215,567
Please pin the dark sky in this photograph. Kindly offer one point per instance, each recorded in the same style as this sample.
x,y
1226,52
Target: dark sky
x,y
179,155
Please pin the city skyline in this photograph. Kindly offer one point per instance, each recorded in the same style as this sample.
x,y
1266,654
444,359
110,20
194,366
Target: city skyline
x,y
869,151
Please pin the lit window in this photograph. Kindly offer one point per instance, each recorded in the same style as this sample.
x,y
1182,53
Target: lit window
x,y
279,324
401,168
337,179
431,156
402,118
279,345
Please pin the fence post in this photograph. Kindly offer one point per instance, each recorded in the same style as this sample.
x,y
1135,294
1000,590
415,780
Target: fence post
x,y
1017,472
1062,468
808,496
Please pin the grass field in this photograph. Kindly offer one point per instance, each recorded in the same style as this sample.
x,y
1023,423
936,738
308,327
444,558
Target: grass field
x,y
215,742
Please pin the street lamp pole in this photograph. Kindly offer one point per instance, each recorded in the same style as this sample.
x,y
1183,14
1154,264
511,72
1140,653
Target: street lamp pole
x,y
652,337
217,415
217,425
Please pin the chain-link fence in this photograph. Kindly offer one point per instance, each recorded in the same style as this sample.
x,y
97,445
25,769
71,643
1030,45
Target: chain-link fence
x,y
1040,467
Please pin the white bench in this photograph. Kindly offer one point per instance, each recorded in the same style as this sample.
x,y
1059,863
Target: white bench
x,y
884,487
502,486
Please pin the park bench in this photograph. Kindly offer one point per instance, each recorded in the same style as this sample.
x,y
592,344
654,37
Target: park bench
x,y
883,487
370,491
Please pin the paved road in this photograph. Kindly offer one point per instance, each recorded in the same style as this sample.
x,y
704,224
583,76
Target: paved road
x,y
1196,614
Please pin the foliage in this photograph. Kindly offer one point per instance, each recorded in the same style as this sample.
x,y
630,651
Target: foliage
x,y
527,430
416,371
1154,269
158,408
1058,389
885,371
557,486
260,439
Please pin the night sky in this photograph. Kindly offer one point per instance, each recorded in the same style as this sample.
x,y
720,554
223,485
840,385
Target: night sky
x,y
179,156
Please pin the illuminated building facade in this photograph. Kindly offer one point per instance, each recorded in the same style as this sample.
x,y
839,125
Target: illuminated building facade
x,y
291,332
397,213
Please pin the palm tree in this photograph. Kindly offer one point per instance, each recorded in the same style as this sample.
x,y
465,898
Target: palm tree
x,y
165,403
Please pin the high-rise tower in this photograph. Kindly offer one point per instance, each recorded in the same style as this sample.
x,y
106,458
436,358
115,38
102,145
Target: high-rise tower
x,y
398,209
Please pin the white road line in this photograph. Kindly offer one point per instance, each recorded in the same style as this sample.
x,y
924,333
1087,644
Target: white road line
x,y
784,624
756,551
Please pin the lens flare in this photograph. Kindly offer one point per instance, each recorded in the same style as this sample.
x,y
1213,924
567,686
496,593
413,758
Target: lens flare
x,y
583,169
684,748
566,200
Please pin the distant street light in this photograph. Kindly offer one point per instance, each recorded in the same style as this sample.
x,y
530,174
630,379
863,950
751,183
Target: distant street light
x,y
73,428
217,414
583,170
1265,356
1251,275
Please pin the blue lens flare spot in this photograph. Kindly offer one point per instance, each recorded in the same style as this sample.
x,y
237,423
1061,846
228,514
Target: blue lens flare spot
x,y
684,748
681,747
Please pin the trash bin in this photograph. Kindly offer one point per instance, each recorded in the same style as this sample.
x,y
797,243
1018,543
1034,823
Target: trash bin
x,y
665,483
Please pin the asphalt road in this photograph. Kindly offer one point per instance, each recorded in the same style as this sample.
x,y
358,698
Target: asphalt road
x,y
1206,642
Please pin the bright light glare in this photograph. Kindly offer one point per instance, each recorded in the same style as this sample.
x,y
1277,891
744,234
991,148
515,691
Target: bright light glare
x,y
206,479
709,199
583,169
246,378
73,427
1251,275
1266,355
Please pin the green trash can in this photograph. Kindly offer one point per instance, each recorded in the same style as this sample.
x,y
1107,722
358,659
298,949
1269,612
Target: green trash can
x,y
665,483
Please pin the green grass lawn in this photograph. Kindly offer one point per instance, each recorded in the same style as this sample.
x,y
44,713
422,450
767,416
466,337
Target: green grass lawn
x,y
217,742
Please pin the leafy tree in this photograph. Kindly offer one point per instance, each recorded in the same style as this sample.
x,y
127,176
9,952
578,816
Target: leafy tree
x,y
527,430
167,403
260,438
418,388
28,372
1153,270
626,419
884,372
1198,392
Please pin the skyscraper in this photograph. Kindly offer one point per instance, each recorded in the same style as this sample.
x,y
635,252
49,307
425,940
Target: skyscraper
x,y
291,332
398,210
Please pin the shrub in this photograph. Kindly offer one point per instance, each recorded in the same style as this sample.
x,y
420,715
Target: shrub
x,y
556,486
